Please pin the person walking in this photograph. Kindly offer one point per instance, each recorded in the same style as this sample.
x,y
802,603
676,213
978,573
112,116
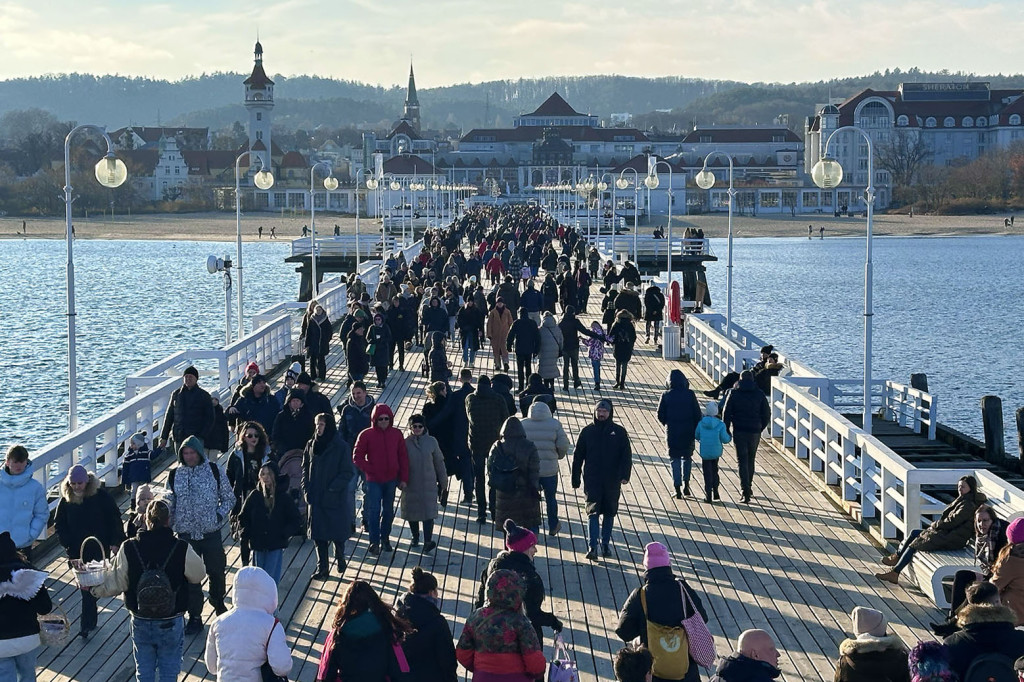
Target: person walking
x,y
470,323
571,328
429,649
654,311
248,635
513,474
85,510
664,600
356,357
243,473
318,342
256,403
381,455
549,350
23,598
293,426
268,520
747,414
679,412
487,412
353,417
602,462
712,434
623,335
189,412
23,508
327,473
379,348
499,323
595,350
428,483
524,341
548,436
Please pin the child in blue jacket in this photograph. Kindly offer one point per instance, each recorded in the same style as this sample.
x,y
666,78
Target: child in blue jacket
x,y
712,434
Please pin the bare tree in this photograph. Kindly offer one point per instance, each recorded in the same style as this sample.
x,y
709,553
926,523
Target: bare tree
x,y
902,156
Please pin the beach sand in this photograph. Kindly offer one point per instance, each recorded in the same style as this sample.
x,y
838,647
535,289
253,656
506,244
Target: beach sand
x,y
221,226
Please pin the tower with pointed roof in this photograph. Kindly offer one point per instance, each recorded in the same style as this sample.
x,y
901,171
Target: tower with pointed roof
x,y
411,113
259,102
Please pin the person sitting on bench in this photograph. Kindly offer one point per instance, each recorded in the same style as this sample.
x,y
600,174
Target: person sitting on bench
x,y
730,379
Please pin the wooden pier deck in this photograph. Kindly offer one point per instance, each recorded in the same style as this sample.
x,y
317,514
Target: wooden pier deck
x,y
789,562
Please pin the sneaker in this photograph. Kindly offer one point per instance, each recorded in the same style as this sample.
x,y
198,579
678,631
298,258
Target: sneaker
x,y
592,554
746,497
606,550
374,550
319,574
557,527
194,626
386,546
429,546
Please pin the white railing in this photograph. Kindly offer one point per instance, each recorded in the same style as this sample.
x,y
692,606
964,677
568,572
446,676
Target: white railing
x,y
710,350
344,245
910,407
748,341
647,247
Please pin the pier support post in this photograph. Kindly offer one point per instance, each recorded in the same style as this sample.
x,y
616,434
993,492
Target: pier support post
x,y
992,421
919,381
1020,434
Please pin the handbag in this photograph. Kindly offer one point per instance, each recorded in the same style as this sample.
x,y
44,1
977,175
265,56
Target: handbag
x,y
702,644
267,673
562,668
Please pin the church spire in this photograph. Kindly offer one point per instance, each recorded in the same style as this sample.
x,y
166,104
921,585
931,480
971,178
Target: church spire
x,y
412,103
410,97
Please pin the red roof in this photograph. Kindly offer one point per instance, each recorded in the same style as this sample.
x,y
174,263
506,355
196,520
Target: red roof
x,y
555,106
293,160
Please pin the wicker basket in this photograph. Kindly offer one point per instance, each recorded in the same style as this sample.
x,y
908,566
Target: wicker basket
x,y
91,574
54,627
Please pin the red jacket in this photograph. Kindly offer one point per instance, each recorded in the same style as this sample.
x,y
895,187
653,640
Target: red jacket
x,y
495,266
380,453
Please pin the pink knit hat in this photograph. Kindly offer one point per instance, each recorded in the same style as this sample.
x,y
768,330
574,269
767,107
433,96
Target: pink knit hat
x,y
656,556
1015,531
517,538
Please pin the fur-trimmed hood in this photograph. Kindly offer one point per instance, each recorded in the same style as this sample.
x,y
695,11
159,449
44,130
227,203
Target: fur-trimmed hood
x,y
985,613
24,583
865,644
90,488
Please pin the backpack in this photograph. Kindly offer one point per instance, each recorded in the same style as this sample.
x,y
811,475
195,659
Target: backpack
x,y
624,335
213,467
668,644
155,596
504,470
991,667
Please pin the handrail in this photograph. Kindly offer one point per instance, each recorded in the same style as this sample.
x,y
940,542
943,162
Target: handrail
x,y
910,407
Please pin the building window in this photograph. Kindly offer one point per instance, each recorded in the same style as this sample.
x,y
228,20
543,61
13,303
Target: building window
x,y
770,200
902,120
167,171
259,134
949,122
968,122
1015,119
810,199
259,115
279,199
929,122
981,122
177,170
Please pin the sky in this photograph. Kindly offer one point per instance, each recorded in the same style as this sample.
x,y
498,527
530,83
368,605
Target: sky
x,y
458,41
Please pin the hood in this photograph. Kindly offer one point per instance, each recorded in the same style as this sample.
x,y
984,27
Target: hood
x,y
11,481
90,488
539,411
676,379
607,403
739,668
513,429
548,321
505,590
24,582
194,443
535,384
362,626
523,314
502,382
985,613
597,328
747,385
254,589
435,302
436,340
865,644
483,384
381,410
367,404
623,314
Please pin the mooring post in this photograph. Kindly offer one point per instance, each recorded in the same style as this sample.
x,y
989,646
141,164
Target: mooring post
x,y
1020,433
919,381
992,421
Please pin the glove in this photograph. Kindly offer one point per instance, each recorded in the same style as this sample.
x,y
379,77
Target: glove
x,y
557,625
442,497
575,482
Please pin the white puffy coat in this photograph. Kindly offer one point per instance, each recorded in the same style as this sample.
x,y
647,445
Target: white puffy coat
x,y
547,434
237,645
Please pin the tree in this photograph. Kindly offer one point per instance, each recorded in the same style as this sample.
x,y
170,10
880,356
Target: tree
x,y
902,156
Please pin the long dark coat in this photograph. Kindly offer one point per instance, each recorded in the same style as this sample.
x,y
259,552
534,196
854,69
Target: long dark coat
x,y
325,478
318,336
522,505
602,460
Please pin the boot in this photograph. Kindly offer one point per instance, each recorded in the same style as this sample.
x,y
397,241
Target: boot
x,y
715,494
686,490
679,494
890,560
889,577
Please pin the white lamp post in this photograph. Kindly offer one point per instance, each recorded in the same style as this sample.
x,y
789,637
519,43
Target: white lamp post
x,y
601,187
330,184
623,183
371,183
264,179
706,180
652,182
110,172
827,174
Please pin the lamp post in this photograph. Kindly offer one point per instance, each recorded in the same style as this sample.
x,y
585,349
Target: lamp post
x,y
623,183
395,186
706,180
330,184
371,183
110,172
264,179
827,174
652,182
601,187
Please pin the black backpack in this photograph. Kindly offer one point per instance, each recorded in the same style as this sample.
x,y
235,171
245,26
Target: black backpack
x,y
504,470
154,594
991,667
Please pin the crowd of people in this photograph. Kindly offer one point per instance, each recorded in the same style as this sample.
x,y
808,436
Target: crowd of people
x,y
488,438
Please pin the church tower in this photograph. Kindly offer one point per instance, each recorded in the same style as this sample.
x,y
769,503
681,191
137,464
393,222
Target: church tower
x,y
259,101
411,113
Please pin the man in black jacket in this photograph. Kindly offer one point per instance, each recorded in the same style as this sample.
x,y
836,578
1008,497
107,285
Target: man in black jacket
x,y
524,341
747,414
487,413
987,628
189,411
571,329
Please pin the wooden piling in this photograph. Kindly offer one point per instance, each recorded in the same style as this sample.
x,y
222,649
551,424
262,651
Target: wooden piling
x,y
919,381
1020,433
992,420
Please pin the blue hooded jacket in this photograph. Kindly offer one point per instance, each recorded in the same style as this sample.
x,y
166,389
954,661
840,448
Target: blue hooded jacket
x,y
23,508
679,411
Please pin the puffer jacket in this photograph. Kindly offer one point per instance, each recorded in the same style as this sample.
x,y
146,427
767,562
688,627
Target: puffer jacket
x,y
248,635
548,436
380,453
498,638
263,409
201,501
629,301
955,528
523,504
429,650
746,409
353,418
550,348
189,413
427,477
602,460
23,509
1008,576
535,391
96,515
679,412
533,596
873,659
23,597
985,628
712,434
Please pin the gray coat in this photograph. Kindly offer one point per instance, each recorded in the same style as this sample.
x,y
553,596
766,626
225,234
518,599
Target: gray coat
x,y
427,476
550,348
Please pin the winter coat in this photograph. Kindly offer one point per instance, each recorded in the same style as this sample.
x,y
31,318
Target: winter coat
x,y
654,304
23,508
498,639
984,628
355,354
263,409
510,293
318,336
740,668
435,317
550,347
243,473
571,328
533,596
502,385
380,453
664,607
353,418
437,358
95,515
427,477
532,301
746,409
548,436
136,466
401,320
361,651
595,344
23,597
536,390
325,480
988,546
602,461
873,659
954,528
292,430
567,292
378,339
248,635
189,413
202,499
679,411
629,301
499,322
470,323
523,504
217,438
524,336
269,529
1008,576
549,290
623,335
438,417
487,413
712,434
430,650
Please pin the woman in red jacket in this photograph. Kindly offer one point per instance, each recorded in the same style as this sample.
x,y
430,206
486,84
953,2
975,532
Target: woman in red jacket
x,y
381,455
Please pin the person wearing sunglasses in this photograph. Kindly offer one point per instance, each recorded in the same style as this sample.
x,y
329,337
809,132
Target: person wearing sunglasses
x,y
381,455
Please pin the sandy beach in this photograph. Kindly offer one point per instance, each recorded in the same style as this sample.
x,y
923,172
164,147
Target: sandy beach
x,y
221,226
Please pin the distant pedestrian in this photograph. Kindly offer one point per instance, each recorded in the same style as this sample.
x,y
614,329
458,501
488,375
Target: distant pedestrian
x,y
821,232
595,350
379,340
486,412
23,598
524,341
429,649
747,414
318,342
810,231
623,335
712,434
305,230
654,311
679,412
260,231
273,231
189,412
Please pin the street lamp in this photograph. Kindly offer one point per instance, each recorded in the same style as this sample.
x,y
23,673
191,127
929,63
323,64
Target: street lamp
x,y
653,182
264,179
623,183
827,174
371,183
213,266
330,184
110,172
706,180
601,187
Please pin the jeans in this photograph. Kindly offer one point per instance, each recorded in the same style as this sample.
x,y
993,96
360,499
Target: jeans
x,y
549,484
905,551
380,509
468,351
709,467
746,451
270,561
20,668
571,357
603,526
682,464
158,644
657,329
596,364
211,549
